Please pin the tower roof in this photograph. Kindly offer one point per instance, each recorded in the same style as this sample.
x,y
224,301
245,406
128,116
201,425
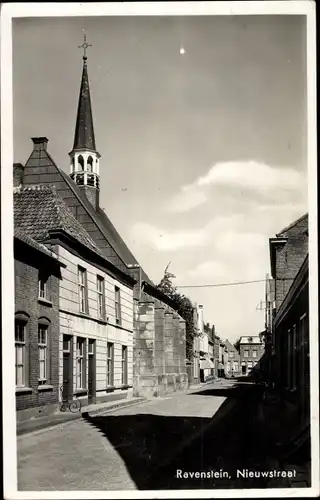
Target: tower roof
x,y
84,133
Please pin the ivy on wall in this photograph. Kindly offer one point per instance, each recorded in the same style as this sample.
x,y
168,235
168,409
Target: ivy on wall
x,y
183,306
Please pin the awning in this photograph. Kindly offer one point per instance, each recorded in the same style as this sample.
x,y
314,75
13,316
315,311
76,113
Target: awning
x,y
206,364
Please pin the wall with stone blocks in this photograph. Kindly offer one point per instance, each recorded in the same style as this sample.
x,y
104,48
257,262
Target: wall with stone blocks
x,y
159,354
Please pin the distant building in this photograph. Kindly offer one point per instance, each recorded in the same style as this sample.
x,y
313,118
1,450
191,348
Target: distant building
x,y
206,363
231,360
251,350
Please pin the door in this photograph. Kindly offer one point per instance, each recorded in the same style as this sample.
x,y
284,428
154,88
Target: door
x,y
67,369
91,372
244,369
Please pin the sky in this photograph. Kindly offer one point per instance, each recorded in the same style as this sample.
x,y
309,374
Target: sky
x,y
203,154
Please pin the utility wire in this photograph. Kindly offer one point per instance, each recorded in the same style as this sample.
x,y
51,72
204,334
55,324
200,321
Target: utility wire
x,y
222,284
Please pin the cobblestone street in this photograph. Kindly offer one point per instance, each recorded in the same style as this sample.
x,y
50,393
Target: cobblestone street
x,y
213,428
119,450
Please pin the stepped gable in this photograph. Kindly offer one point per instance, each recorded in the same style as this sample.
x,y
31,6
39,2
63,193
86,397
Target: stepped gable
x,y
38,209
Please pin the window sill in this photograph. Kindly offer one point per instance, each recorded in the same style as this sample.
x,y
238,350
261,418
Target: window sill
x,y
124,387
84,315
81,392
20,390
111,388
45,301
45,387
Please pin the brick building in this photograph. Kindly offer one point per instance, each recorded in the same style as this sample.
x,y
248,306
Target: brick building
x,y
95,300
231,360
287,322
251,351
37,275
288,251
100,270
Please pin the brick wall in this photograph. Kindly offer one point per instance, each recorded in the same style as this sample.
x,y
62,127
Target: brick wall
x,y
289,258
27,265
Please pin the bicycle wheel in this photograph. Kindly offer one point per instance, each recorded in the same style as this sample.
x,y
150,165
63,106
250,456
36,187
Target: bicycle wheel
x,y
75,406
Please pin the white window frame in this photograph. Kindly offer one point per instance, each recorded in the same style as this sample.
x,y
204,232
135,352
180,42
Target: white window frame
x,y
110,364
124,365
80,363
43,354
43,286
254,353
82,284
246,353
20,345
101,296
117,305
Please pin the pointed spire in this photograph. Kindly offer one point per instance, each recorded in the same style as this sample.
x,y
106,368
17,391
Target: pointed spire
x,y
84,133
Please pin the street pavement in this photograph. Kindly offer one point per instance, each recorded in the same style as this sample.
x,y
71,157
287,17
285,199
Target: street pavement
x,y
142,447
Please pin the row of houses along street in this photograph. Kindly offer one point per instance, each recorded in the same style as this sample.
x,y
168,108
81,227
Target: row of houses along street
x,y
93,333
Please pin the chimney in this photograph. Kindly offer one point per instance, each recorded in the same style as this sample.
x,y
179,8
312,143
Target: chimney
x,y
18,170
39,143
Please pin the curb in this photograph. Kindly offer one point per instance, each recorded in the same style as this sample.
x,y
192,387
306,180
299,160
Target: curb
x,y
76,417
113,407
48,426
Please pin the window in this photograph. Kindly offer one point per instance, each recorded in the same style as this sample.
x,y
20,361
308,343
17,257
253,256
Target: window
x,y
43,285
235,366
110,364
82,280
117,305
246,353
20,347
231,354
124,365
91,347
81,369
254,353
101,297
66,345
250,364
42,350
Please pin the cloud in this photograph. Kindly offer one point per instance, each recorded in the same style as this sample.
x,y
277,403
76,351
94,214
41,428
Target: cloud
x,y
250,175
163,240
186,200
242,180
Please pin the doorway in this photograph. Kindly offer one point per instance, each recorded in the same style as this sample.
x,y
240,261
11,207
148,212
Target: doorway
x,y
91,371
244,369
67,390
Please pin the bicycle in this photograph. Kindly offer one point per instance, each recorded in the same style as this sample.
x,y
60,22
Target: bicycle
x,y
73,406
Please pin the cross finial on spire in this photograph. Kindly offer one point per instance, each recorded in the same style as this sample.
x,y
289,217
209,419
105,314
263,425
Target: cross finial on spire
x,y
85,45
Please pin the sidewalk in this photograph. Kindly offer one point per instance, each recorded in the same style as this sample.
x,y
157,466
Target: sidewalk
x,y
59,418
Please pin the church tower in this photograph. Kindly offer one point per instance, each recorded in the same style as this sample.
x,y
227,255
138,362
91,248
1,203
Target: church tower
x,y
84,164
